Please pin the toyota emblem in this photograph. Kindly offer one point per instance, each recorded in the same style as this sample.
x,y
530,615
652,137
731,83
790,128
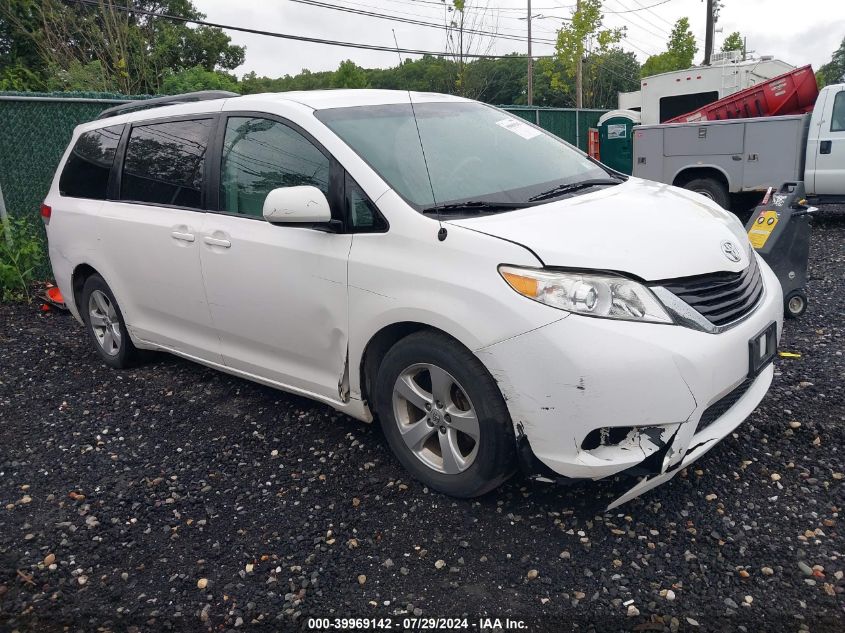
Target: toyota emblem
x,y
731,251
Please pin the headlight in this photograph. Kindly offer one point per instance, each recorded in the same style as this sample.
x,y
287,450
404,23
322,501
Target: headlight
x,y
605,296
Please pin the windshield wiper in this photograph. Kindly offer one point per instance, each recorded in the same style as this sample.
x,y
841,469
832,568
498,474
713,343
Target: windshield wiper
x,y
574,186
474,206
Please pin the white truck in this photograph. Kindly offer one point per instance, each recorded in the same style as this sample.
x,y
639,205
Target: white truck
x,y
718,158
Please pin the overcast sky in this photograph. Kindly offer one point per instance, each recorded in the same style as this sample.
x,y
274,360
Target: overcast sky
x,y
796,32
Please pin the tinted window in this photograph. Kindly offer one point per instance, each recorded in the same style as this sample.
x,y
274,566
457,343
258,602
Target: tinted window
x,y
260,155
363,215
86,173
164,163
837,120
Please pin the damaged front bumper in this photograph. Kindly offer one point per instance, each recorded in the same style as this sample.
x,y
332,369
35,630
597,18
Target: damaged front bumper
x,y
592,398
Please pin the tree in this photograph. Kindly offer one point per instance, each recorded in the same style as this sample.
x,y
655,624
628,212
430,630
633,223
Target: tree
x,y
681,50
113,44
79,77
197,78
428,74
607,74
20,64
349,75
501,81
733,42
833,72
582,33
468,34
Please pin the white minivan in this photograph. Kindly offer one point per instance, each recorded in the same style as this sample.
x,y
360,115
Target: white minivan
x,y
492,296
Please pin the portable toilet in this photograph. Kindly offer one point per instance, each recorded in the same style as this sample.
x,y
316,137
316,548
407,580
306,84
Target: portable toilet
x,y
616,142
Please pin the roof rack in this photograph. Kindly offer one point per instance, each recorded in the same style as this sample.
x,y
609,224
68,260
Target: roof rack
x,y
155,102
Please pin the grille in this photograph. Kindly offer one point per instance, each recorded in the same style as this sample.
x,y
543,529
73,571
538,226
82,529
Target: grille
x,y
720,297
721,406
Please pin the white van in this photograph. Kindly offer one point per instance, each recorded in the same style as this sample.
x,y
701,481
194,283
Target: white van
x,y
488,293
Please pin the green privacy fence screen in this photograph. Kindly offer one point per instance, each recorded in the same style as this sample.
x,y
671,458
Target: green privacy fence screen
x,y
35,129
569,124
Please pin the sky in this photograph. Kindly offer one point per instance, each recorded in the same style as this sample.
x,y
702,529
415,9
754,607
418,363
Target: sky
x,y
772,27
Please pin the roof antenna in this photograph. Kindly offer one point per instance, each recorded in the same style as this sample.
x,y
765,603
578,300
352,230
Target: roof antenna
x,y
442,233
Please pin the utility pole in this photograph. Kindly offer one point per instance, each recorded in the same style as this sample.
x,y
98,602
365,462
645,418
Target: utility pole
x,y
579,71
530,60
708,32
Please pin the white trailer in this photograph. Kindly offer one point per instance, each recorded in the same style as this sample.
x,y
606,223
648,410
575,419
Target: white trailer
x,y
665,96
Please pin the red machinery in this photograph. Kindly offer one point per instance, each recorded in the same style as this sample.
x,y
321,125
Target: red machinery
x,y
593,143
794,92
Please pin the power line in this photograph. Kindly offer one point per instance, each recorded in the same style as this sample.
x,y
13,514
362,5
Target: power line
x,y
549,40
383,16
441,4
288,36
661,32
493,12
639,48
657,15
558,7
374,47
642,8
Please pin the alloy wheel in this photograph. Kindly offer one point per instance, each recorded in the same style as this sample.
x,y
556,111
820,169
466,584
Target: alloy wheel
x,y
436,418
105,323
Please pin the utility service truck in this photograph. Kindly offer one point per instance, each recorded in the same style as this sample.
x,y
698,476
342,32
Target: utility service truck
x,y
732,155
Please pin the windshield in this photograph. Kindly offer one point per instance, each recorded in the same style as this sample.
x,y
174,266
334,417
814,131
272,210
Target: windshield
x,y
472,151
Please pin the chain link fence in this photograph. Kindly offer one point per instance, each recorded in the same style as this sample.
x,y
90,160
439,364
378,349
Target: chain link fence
x,y
35,129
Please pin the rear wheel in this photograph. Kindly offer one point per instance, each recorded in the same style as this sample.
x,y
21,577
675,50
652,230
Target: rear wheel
x,y
105,324
444,416
710,188
794,304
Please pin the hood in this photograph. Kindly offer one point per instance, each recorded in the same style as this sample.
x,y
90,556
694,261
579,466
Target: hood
x,y
643,228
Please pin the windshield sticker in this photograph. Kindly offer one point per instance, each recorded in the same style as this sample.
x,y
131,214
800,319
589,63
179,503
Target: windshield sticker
x,y
518,127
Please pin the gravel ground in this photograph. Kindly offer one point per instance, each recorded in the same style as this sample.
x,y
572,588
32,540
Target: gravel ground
x,y
174,497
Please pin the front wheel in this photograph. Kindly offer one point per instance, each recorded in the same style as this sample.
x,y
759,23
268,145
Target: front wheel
x,y
795,304
444,416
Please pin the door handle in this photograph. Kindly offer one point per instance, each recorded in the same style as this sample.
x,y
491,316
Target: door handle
x,y
824,147
179,235
216,241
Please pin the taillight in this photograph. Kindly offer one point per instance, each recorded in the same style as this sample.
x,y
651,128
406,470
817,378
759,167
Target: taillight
x,y
46,212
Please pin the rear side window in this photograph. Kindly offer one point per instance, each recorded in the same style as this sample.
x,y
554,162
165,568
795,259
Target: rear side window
x,y
260,155
86,172
164,163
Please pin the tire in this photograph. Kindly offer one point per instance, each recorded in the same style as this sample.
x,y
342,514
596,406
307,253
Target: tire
x,y
794,304
710,188
105,325
471,466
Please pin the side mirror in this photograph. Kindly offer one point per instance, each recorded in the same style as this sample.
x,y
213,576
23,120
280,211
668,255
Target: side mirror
x,y
303,204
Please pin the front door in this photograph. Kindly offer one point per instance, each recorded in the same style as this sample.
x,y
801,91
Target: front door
x,y
277,294
829,151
